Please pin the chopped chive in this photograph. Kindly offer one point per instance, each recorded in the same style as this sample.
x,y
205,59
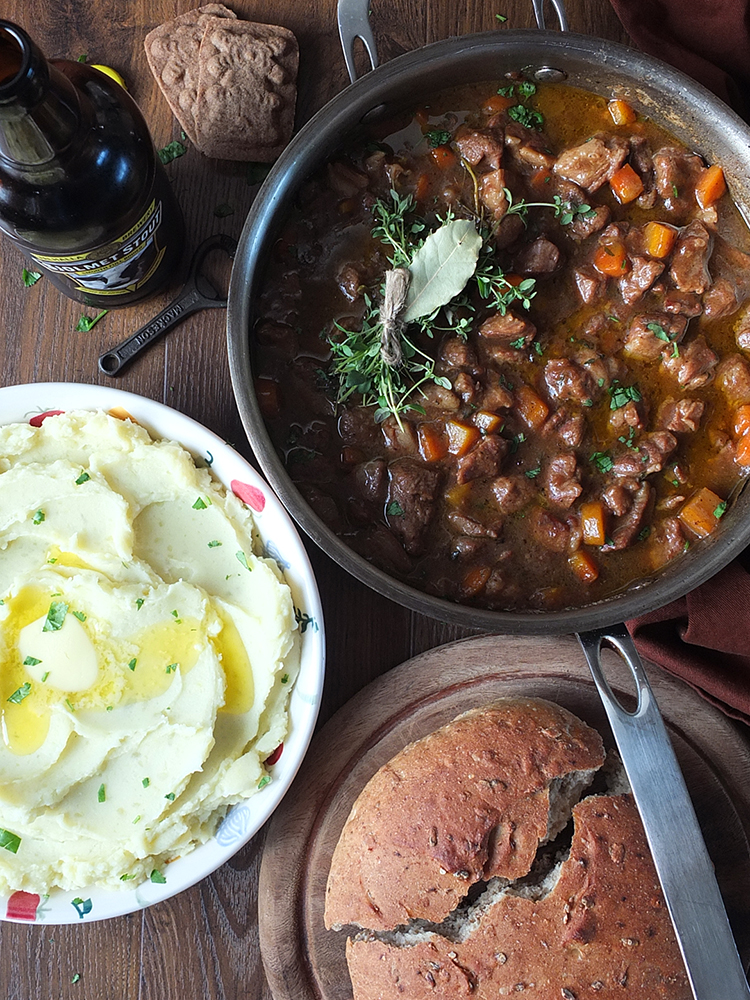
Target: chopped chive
x,y
31,661
38,517
20,693
45,675
101,795
55,616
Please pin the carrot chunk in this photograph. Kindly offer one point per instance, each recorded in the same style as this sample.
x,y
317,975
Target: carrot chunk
x,y
702,512
432,444
626,184
742,451
583,566
461,437
444,157
474,581
592,522
498,103
611,259
532,410
710,187
742,420
269,397
659,238
622,113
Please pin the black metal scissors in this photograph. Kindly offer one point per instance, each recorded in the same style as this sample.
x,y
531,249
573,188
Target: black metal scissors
x,y
197,293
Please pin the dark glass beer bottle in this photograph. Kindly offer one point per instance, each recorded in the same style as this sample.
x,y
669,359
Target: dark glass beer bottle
x,y
82,190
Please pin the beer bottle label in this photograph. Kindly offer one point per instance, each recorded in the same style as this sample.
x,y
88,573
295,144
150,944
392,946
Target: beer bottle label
x,y
130,260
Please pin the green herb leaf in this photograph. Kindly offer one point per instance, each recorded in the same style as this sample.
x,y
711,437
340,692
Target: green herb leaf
x,y
719,511
101,795
45,675
171,151
526,117
133,663
621,395
69,704
506,91
31,661
438,137
82,58
38,517
265,780
75,977
138,603
602,460
86,323
83,478
242,558
214,544
519,343
126,878
146,782
223,210
533,473
171,668
285,679
30,278
441,267
55,616
526,89
170,796
79,615
10,841
20,693
201,504
156,876
501,17
394,509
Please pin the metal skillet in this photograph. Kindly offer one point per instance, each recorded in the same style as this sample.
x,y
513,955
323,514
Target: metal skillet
x,y
700,121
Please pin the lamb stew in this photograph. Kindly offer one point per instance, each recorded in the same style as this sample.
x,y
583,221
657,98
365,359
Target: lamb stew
x,y
504,350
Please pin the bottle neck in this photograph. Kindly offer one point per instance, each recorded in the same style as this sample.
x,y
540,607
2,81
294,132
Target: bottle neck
x,y
39,109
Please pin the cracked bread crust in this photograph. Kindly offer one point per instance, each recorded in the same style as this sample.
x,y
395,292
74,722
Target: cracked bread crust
x,y
602,929
465,803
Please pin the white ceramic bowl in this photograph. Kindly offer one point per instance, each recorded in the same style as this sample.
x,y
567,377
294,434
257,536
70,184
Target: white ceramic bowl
x,y
281,541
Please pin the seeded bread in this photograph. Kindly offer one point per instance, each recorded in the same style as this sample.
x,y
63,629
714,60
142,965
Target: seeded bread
x,y
470,801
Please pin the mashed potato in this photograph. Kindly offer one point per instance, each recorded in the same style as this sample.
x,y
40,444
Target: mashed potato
x,y
147,653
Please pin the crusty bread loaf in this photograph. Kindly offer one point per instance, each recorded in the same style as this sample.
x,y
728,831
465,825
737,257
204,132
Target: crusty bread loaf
x,y
434,863
468,802
603,930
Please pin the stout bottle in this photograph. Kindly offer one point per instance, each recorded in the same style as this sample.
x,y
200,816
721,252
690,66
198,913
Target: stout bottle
x,y
82,191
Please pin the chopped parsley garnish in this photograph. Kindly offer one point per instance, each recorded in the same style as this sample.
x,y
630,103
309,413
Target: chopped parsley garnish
x,y
621,395
602,460
132,664
201,504
156,876
82,58
506,91
285,679
223,210
242,558
83,478
76,976
20,693
644,533
502,18
526,89
170,796
38,517
31,661
214,543
438,137
176,616
518,343
126,877
533,473
101,795
721,509
55,616
587,402
79,615
138,603
526,117
265,780
30,278
171,151
146,782
394,509
10,841
86,323
171,668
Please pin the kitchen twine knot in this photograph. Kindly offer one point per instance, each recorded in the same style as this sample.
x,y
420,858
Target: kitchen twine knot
x,y
394,299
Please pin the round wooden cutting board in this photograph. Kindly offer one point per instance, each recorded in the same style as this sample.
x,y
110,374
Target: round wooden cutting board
x,y
303,960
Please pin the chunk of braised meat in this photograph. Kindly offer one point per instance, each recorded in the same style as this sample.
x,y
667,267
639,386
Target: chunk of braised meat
x,y
649,334
592,163
689,267
435,400
458,353
631,415
509,231
466,387
586,225
567,380
642,162
602,368
618,498
379,545
464,525
675,175
693,366
281,337
492,188
372,480
484,461
412,497
682,416
467,547
541,256
733,377
496,397
720,299
506,328
666,541
323,504
629,524
569,429
561,479
399,438
731,288
350,282
742,331
642,274
590,283
548,530
345,180
479,148
686,304
655,449
512,493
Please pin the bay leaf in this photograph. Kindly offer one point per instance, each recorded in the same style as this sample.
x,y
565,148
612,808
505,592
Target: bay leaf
x,y
441,267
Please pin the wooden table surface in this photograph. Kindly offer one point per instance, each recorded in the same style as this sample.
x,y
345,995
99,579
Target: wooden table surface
x,y
204,942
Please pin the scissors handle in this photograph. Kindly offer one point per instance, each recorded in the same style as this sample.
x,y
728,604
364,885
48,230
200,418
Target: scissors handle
x,y
197,293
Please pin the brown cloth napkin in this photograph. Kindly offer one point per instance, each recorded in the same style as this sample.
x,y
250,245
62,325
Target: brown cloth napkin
x,y
704,638
709,41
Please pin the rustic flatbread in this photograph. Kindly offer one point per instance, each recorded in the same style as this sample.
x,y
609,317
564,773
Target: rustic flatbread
x,y
172,51
247,90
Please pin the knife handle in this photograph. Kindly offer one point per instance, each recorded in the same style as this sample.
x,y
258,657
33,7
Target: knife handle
x,y
679,852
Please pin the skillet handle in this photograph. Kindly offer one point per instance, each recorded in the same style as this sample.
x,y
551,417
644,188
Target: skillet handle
x,y
674,836
353,18
559,10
